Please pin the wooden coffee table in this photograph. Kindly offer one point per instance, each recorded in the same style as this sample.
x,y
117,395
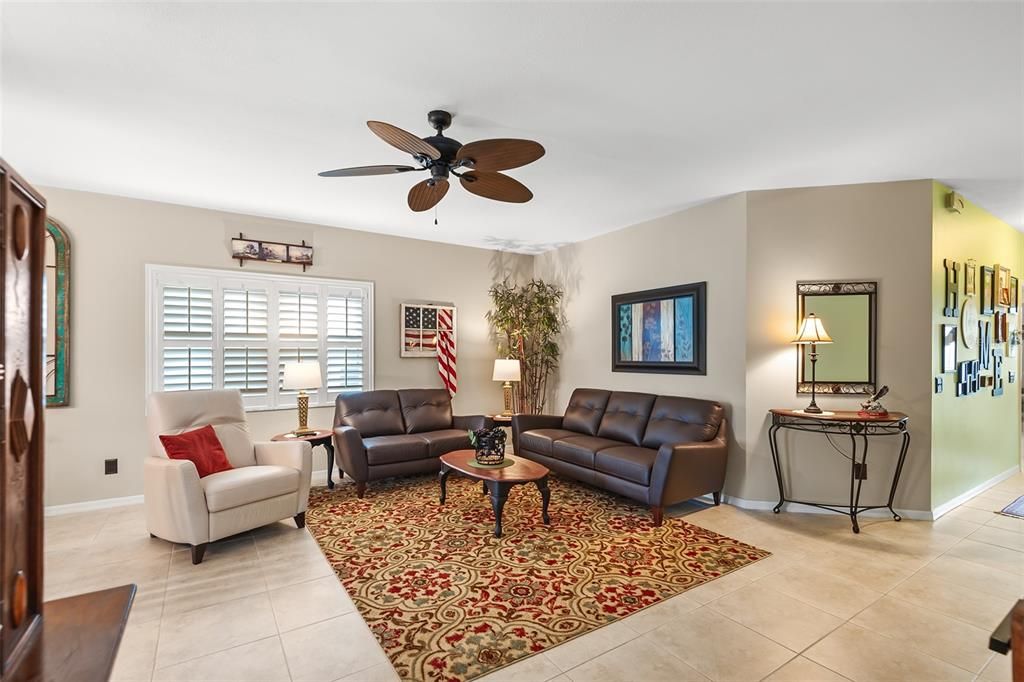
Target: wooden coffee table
x,y
498,481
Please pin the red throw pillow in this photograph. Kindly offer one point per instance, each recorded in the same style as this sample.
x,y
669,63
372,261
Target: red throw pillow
x,y
201,447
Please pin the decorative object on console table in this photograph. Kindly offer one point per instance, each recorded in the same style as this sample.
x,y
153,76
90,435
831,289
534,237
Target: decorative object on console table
x,y
855,426
299,376
872,407
951,309
506,371
949,347
322,437
58,306
243,249
986,290
812,332
661,330
420,328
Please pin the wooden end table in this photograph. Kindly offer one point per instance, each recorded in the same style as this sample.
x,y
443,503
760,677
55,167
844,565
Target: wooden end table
x,y
498,481
319,437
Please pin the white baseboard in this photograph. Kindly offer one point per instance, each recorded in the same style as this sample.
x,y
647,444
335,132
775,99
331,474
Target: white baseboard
x,y
947,507
319,478
91,505
768,505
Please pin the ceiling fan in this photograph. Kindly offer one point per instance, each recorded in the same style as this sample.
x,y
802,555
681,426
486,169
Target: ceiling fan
x,y
478,161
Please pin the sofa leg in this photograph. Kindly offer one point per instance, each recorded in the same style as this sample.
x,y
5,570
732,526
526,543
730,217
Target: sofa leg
x,y
300,520
360,489
197,553
658,513
718,497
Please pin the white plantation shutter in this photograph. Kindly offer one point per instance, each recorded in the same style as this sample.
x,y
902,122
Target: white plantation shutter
x,y
216,329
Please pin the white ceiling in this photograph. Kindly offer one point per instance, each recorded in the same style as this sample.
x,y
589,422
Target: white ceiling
x,y
644,108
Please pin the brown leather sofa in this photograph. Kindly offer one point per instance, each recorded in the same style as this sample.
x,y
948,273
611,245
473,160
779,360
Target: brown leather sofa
x,y
658,450
378,434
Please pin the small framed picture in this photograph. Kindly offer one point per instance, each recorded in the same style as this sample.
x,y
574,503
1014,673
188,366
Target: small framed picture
x,y
248,249
986,289
275,253
1014,295
300,254
948,348
970,277
1002,289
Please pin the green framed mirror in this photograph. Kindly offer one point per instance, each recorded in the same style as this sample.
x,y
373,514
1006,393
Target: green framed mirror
x,y
57,283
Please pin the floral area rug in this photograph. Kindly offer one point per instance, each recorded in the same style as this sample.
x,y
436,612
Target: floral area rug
x,y
448,601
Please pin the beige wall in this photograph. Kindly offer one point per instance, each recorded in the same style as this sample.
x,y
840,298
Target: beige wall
x,y
113,238
704,243
876,232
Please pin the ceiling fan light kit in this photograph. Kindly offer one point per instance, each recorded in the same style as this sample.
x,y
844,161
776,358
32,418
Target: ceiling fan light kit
x,y
476,164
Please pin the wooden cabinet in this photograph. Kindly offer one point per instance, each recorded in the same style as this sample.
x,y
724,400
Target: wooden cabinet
x,y
22,230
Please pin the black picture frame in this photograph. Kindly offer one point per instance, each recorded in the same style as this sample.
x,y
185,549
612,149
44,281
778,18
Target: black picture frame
x,y
987,290
697,365
949,348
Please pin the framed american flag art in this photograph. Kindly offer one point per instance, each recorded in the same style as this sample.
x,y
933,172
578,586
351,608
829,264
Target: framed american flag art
x,y
423,325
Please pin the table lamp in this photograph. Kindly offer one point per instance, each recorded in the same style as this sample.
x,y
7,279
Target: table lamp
x,y
506,370
812,332
298,376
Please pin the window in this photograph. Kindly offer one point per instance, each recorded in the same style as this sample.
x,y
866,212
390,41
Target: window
x,y
217,329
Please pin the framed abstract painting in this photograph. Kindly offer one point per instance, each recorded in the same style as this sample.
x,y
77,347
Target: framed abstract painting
x,y
661,330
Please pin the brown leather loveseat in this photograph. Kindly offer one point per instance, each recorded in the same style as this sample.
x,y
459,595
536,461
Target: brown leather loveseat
x,y
658,450
378,434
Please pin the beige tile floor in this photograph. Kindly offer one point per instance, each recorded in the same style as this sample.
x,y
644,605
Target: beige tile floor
x,y
901,601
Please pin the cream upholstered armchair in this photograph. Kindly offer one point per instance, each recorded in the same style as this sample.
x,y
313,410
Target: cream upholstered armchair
x,y
268,481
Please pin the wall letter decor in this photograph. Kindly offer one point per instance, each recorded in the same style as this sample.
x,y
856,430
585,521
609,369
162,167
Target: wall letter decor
x,y
967,378
952,288
984,343
997,372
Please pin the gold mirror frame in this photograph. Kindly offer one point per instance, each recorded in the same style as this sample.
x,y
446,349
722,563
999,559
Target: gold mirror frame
x,y
58,315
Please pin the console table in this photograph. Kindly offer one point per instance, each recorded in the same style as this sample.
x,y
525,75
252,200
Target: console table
x,y
847,424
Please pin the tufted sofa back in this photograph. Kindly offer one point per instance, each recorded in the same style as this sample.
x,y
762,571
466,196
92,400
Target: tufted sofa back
x,y
372,413
426,409
642,418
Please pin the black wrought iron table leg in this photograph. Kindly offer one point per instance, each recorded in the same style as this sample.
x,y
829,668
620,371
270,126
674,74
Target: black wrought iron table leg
x,y
483,484
330,464
499,493
853,483
545,497
442,477
773,434
896,474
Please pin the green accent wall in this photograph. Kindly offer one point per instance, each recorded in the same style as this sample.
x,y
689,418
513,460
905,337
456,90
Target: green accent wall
x,y
977,437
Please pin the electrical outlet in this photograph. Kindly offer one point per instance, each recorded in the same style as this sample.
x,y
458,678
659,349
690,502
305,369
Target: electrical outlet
x,y
109,466
938,384
860,471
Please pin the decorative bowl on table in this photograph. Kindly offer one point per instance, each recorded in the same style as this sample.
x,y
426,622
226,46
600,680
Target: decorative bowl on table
x,y
489,445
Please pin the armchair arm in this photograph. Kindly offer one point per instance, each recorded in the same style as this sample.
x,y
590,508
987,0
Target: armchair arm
x,y
175,502
470,422
296,454
525,422
685,470
348,446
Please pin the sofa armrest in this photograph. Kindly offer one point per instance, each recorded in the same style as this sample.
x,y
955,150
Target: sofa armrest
x,y
470,422
175,502
348,447
686,470
296,454
525,422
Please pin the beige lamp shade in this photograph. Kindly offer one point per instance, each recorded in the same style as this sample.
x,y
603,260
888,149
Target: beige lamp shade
x,y
506,370
300,376
812,331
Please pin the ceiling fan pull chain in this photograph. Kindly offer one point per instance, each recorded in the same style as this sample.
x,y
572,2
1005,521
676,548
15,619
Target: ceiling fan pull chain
x,y
435,215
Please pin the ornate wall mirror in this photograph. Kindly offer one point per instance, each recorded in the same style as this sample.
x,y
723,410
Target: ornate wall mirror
x,y
57,282
848,312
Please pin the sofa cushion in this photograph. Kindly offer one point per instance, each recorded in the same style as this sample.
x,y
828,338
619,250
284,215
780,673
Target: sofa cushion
x,y
682,420
245,485
372,413
393,449
426,409
626,415
199,446
580,450
586,407
541,440
627,462
445,440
